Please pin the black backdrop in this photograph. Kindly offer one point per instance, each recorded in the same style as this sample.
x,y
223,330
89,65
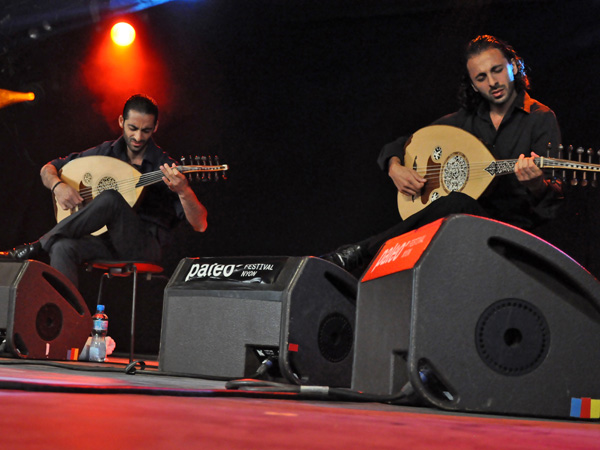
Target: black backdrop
x,y
298,97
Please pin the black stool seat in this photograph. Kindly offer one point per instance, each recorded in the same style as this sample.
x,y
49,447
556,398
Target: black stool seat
x,y
125,269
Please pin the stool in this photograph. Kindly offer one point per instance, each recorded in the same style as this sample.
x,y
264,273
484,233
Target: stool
x,y
125,269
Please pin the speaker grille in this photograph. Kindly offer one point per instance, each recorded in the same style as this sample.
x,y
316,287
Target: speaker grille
x,y
49,322
512,337
335,337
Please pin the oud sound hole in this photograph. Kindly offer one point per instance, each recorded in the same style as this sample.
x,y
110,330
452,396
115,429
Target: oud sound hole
x,y
455,173
87,178
107,183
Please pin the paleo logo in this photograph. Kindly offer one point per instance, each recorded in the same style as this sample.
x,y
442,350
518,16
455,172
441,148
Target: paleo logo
x,y
210,270
391,254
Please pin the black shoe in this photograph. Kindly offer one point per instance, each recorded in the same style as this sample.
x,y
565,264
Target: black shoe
x,y
26,251
348,257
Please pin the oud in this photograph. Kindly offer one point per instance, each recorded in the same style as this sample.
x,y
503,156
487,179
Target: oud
x,y
92,175
453,160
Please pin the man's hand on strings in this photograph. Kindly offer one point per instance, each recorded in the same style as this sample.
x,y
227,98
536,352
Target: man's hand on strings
x,y
406,180
529,174
66,196
173,178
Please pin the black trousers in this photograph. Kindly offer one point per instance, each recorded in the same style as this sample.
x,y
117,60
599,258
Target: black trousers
x,y
454,203
70,243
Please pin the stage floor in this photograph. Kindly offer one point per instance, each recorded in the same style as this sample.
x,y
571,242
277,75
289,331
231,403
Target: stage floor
x,y
91,405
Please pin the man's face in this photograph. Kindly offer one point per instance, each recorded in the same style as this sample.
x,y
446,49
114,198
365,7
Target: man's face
x,y
493,76
137,130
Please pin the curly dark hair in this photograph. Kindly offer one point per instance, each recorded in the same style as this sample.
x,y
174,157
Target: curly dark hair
x,y
467,97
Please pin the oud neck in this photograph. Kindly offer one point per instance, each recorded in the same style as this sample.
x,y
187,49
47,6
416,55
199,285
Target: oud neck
x,y
506,166
149,178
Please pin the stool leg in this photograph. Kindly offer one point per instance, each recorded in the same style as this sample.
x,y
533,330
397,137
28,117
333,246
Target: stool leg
x,y
105,274
132,337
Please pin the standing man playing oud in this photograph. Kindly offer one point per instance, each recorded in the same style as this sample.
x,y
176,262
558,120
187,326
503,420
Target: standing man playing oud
x,y
496,108
133,234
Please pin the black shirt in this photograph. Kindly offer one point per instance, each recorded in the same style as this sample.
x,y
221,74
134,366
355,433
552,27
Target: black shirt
x,y
527,126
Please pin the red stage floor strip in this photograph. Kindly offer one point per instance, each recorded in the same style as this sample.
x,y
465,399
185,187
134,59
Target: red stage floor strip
x,y
67,420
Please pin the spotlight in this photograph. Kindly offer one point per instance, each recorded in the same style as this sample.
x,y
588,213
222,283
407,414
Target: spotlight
x,y
122,34
10,97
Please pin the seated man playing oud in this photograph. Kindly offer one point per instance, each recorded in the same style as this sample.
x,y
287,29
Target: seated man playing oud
x,y
495,108
143,233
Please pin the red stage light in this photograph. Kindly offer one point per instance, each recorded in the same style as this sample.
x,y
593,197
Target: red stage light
x,y
122,34
113,72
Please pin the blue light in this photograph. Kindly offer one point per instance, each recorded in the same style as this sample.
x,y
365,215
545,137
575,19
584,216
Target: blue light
x,y
127,6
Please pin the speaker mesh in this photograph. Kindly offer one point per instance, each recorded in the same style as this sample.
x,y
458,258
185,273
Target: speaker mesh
x,y
512,337
49,322
335,337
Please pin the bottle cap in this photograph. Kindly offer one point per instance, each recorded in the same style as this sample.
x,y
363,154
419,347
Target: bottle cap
x,y
100,308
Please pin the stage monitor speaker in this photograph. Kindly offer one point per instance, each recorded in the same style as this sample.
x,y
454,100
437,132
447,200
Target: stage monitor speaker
x,y
223,316
42,315
478,316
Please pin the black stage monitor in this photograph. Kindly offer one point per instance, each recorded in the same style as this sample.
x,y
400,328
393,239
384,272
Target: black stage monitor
x,y
479,316
223,316
42,314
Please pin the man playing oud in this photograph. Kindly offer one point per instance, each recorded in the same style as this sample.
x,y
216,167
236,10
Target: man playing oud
x,y
132,234
495,108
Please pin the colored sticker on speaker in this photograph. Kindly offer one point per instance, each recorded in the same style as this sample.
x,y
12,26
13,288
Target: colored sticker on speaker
x,y
402,252
73,354
585,408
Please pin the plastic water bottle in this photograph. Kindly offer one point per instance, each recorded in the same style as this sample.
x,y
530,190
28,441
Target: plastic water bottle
x,y
99,330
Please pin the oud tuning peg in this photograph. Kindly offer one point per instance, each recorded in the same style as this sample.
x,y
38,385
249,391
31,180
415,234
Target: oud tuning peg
x,y
191,174
205,176
210,163
570,152
548,148
560,156
201,161
584,181
217,162
197,177
183,163
590,153
574,180
580,152
595,175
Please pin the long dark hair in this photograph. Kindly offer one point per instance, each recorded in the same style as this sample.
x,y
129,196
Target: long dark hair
x,y
467,97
